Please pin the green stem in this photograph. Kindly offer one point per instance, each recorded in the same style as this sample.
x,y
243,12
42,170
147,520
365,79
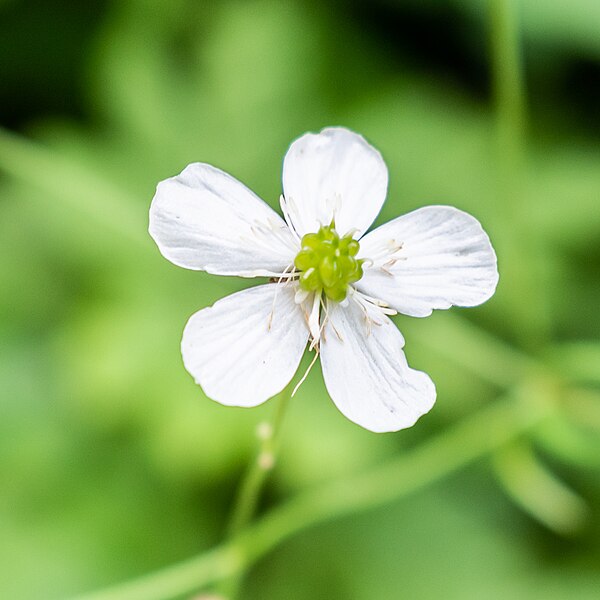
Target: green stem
x,y
509,86
473,438
538,491
253,481
259,469
519,248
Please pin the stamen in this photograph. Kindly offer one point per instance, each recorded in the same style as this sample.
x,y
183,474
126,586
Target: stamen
x,y
351,232
366,316
283,275
323,321
337,206
301,295
313,319
287,216
330,321
383,306
312,363
368,306
384,251
294,215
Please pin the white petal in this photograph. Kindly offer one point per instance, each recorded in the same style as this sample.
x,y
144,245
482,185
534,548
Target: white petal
x,y
366,372
335,173
433,257
246,347
206,220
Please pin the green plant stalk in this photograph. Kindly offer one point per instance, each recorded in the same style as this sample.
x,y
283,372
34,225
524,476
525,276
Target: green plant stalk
x,y
474,437
259,469
538,491
508,81
253,481
527,304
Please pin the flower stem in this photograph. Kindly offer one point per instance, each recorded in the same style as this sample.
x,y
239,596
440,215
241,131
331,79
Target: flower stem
x,y
258,470
509,86
474,437
255,477
519,248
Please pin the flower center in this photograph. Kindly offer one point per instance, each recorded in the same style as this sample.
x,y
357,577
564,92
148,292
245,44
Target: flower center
x,y
328,263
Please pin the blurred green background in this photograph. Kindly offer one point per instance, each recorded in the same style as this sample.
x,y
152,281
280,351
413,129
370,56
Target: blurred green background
x,y
113,463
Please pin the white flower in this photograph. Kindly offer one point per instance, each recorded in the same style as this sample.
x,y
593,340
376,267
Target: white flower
x,y
333,288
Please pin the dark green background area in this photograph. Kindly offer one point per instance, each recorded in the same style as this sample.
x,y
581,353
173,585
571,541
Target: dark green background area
x,y
112,462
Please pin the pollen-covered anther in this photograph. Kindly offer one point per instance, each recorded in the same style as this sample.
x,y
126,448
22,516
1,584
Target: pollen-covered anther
x,y
328,263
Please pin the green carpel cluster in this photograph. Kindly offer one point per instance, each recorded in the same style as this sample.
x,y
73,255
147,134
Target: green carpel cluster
x,y
328,263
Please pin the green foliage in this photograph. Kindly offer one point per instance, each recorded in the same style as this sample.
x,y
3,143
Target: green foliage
x,y
114,463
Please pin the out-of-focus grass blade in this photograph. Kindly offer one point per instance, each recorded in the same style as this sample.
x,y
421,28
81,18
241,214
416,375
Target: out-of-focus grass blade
x,y
569,443
578,360
74,186
538,491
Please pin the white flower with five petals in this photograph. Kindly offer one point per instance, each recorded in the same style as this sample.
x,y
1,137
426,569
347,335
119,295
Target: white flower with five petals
x,y
331,284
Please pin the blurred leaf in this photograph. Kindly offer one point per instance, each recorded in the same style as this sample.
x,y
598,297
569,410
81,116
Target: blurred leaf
x,y
569,443
538,491
579,360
